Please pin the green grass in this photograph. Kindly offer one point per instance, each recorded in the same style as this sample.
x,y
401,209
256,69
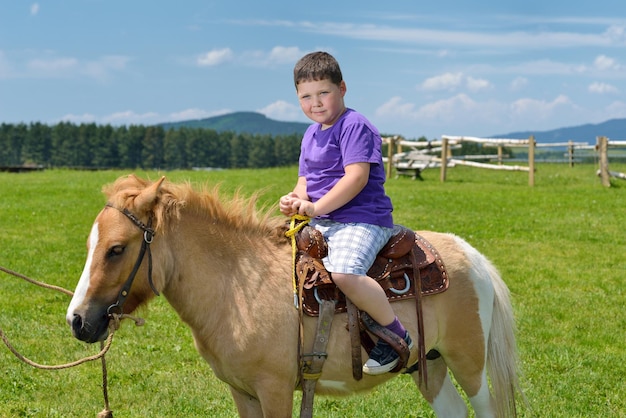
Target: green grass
x,y
559,246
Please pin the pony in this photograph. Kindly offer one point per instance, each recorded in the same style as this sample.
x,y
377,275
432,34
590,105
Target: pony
x,y
225,267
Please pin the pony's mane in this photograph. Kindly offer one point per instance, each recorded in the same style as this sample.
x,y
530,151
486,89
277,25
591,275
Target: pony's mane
x,y
238,212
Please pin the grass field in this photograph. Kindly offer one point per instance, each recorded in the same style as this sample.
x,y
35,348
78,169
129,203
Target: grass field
x,y
560,246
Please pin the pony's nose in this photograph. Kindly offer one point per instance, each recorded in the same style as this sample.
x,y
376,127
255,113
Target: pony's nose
x,y
76,324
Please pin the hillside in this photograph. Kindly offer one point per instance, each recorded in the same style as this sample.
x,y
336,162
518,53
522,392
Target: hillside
x,y
613,129
257,123
240,122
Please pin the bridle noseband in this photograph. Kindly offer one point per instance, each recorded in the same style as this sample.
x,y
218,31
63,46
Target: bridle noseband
x,y
148,235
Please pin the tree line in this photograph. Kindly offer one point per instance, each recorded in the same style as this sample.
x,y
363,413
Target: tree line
x,y
92,146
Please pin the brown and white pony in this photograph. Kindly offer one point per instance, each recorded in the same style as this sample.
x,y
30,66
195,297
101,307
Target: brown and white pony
x,y
225,267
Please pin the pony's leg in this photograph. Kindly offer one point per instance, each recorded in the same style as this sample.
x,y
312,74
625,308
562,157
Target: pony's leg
x,y
247,406
474,384
273,401
482,402
441,393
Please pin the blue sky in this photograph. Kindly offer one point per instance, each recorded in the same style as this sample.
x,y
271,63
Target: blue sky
x,y
413,68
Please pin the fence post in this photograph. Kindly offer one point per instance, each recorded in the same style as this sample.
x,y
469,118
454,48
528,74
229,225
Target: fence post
x,y
570,152
391,146
444,158
602,146
531,161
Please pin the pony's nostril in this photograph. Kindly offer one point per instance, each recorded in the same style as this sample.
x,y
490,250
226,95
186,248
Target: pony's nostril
x,y
77,323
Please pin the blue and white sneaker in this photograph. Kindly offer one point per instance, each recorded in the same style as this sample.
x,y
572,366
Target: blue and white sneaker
x,y
383,358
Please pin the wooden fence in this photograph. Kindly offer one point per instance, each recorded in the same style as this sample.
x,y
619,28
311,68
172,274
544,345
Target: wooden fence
x,y
498,143
422,155
432,154
602,146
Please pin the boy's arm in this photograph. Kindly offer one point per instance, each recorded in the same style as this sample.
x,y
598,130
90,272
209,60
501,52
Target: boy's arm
x,y
345,190
300,189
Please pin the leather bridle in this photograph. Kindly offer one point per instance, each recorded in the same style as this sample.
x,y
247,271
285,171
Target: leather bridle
x,y
148,235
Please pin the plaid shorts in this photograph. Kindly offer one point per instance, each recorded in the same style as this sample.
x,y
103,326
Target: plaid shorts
x,y
352,247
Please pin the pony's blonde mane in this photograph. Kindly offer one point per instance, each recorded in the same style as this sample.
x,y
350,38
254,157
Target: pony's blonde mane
x,y
237,213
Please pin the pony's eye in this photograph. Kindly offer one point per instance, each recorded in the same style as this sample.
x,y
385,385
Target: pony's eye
x,y
115,251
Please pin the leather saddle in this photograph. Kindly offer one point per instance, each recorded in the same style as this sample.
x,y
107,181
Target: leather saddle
x,y
393,269
408,266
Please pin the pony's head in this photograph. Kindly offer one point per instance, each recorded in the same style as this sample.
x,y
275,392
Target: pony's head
x,y
118,257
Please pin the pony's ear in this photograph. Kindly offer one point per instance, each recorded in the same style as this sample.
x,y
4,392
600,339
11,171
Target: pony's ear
x,y
146,199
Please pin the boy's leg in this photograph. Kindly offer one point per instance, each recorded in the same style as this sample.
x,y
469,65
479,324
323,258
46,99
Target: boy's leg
x,y
365,293
368,296
352,249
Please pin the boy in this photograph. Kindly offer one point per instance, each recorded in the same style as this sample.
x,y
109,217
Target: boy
x,y
341,186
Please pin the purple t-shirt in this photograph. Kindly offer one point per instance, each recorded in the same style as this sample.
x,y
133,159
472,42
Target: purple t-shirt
x,y
325,153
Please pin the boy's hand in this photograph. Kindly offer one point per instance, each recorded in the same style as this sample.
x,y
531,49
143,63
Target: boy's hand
x,y
291,204
304,207
286,203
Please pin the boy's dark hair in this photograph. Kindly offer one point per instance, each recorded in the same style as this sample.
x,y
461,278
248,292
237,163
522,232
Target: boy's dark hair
x,y
317,66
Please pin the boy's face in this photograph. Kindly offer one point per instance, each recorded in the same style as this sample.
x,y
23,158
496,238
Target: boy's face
x,y
322,100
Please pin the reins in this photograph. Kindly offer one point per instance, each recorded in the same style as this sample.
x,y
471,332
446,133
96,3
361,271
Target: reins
x,y
297,223
114,325
114,312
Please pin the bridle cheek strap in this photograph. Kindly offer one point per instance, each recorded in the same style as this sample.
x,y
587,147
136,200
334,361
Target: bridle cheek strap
x,y
148,236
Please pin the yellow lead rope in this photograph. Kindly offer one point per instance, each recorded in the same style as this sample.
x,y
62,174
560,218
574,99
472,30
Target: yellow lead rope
x,y
291,233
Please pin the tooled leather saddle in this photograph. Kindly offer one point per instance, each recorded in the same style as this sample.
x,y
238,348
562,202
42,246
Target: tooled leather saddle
x,y
408,266
393,269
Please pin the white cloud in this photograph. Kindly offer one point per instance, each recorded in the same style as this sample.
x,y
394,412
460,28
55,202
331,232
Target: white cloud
x,y
282,54
547,67
278,55
215,57
602,88
615,110
519,83
477,84
193,114
396,108
101,68
447,81
604,63
282,110
78,119
67,67
540,109
445,109
448,109
130,117
34,9
456,115
616,34
513,39
463,115
53,66
452,81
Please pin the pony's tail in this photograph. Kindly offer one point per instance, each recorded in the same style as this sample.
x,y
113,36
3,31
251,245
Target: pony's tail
x,y
502,360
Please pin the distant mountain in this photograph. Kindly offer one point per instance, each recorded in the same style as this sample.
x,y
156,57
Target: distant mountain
x,y
257,123
613,129
242,122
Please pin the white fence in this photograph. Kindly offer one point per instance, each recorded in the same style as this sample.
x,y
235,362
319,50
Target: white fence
x,y
422,155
